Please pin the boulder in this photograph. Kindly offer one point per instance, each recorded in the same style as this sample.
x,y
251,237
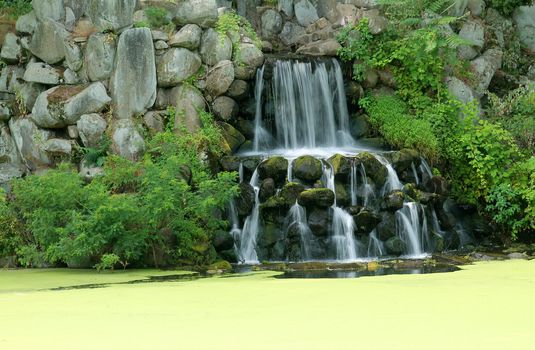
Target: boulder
x,y
387,227
219,78
91,128
319,222
267,189
290,192
247,60
305,13
395,246
393,201
48,42
233,138
437,185
484,67
8,148
476,7
188,37
307,168
177,65
127,140
49,9
64,105
27,23
291,34
460,90
30,140
286,7
403,160
366,221
215,47
188,102
155,121
78,7
58,147
473,31
42,73
458,8
100,56
238,89
5,111
222,241
246,199
316,197
133,82
328,47
376,22
275,168
271,23
374,168
73,55
201,12
225,108
524,18
11,50
111,15
29,92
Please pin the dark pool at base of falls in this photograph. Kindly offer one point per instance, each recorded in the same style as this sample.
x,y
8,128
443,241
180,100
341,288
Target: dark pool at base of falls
x,y
367,273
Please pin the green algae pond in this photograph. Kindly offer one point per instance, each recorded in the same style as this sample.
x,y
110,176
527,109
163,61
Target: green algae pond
x,y
487,305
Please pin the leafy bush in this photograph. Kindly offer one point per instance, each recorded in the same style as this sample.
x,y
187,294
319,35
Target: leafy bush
x,y
13,9
232,25
157,17
107,262
506,7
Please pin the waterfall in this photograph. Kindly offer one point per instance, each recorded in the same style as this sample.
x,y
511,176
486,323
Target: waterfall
x,y
392,181
240,172
367,191
415,174
297,218
262,137
375,247
247,241
353,184
412,228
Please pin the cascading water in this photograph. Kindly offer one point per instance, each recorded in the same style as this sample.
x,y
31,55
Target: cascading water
x,y
302,110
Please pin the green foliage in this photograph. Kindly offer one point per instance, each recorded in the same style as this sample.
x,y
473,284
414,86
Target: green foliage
x,y
157,17
141,24
107,262
506,7
96,155
13,9
233,25
10,228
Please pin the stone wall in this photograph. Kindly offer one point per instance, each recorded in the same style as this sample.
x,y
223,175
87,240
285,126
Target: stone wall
x,y
77,71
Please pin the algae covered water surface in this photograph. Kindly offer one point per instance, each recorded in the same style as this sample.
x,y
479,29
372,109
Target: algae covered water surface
x,y
487,305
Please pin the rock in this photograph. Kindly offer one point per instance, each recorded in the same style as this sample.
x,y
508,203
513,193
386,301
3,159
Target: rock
x,y
73,55
49,9
319,222
291,34
484,68
393,201
524,18
78,7
360,126
11,79
387,227
225,108
374,168
437,185
341,166
317,197
48,42
473,31
460,90
328,47
476,7
395,246
58,147
271,23
11,50
342,197
8,172
64,105
127,140
5,111
71,78
290,192
245,200
371,78
222,241
234,139
201,12
27,23
29,92
219,78
133,81
246,62
155,121
111,15
366,221
238,89
42,73
275,168
287,7
30,140
305,13
188,37
100,56
267,189
376,22
517,256
307,168
158,35
91,128
215,47
8,149
458,8
72,131
177,65
188,102
403,160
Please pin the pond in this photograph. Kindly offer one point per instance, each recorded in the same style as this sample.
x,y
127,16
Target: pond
x,y
488,305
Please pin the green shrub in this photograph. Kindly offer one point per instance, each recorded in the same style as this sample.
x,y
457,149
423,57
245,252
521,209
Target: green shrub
x,y
157,17
13,9
506,7
107,262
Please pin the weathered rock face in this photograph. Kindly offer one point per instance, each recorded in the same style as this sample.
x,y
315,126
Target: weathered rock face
x,y
484,67
115,15
275,168
215,48
27,23
42,73
11,49
188,37
127,140
30,140
201,12
49,9
47,42
233,138
271,23
316,197
219,78
177,65
91,128
305,13
524,18
247,61
73,55
460,90
473,31
225,108
307,168
291,34
100,56
245,201
64,105
188,102
133,82
328,47
58,147
374,168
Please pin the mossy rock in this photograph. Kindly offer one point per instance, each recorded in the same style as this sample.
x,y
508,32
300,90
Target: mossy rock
x,y
290,192
316,197
319,222
220,266
374,168
341,166
307,168
342,197
366,220
222,241
270,234
230,163
387,227
412,192
229,255
403,160
233,139
246,199
393,201
395,246
275,168
267,189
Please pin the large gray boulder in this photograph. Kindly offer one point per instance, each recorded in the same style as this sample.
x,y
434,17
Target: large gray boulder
x,y
188,37
460,90
292,34
201,12
177,65
91,128
327,47
524,18
48,42
225,108
305,13
133,82
30,141
219,78
8,148
42,73
64,105
476,7
271,23
188,102
49,9
100,56
484,67
248,59
29,92
287,7
58,147
115,15
473,31
77,7
215,48
73,55
127,140
27,23
11,49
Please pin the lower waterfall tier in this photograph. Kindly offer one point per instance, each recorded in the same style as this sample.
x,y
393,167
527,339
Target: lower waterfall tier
x,y
342,208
